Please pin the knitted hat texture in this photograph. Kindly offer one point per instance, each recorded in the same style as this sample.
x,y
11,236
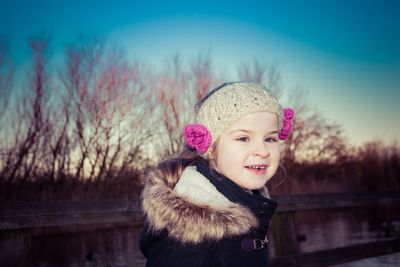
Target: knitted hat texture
x,y
231,102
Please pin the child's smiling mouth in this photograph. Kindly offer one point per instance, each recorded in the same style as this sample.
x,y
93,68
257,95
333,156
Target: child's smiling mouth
x,y
258,169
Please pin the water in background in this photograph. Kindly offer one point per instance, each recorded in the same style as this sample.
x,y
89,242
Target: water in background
x,y
381,261
119,247
330,228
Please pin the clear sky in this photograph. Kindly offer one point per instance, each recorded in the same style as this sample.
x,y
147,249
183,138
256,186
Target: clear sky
x,y
346,53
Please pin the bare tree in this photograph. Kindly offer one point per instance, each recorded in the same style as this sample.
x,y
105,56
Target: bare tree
x,y
109,106
6,75
178,91
203,76
6,85
57,137
313,139
26,150
172,87
269,75
103,118
252,73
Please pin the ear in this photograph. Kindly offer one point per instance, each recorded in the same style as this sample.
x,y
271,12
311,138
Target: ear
x,y
212,151
211,154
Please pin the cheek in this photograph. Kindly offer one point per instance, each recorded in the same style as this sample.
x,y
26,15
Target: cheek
x,y
275,151
226,155
278,153
221,159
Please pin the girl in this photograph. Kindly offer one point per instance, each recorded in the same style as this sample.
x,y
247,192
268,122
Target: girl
x,y
209,206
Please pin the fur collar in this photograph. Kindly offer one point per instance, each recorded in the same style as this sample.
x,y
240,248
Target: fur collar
x,y
192,210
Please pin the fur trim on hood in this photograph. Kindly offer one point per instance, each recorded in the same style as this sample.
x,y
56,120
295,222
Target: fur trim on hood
x,y
192,210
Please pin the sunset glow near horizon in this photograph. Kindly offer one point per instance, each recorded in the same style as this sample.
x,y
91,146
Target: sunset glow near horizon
x,y
345,53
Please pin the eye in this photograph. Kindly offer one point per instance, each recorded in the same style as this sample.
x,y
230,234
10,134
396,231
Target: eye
x,y
271,140
243,139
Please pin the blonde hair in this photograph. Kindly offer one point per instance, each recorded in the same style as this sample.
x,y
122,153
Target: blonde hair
x,y
171,169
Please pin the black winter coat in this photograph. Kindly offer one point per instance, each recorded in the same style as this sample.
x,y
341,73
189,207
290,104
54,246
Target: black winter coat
x,y
204,219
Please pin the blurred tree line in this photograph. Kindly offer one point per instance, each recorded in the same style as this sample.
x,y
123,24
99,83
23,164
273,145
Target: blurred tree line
x,y
90,125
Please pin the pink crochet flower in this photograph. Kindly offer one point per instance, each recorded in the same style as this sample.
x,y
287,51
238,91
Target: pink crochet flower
x,y
288,115
198,137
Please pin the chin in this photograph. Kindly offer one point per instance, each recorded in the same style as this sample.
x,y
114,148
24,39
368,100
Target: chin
x,y
255,187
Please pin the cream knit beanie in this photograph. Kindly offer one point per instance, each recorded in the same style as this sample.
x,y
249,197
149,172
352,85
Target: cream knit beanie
x,y
229,103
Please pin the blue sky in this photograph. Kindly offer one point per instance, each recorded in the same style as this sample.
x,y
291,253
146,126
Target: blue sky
x,y
345,53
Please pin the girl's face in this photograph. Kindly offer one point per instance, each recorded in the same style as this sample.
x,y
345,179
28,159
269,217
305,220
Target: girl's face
x,y
248,151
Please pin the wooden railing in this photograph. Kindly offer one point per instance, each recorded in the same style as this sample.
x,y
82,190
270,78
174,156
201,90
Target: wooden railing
x,y
285,237
22,216
26,215
339,255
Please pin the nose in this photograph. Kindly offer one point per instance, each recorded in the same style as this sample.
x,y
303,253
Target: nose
x,y
261,150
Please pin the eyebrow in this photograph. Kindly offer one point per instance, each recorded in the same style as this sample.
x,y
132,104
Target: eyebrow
x,y
247,131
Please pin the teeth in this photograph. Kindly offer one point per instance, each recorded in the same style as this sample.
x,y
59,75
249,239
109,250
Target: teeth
x,y
257,167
